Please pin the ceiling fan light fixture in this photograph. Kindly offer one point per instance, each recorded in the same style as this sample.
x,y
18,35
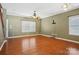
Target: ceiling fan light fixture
x,y
35,15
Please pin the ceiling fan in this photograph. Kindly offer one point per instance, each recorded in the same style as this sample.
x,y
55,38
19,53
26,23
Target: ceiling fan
x,y
34,16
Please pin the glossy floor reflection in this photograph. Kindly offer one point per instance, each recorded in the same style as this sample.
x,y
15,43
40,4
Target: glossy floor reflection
x,y
40,45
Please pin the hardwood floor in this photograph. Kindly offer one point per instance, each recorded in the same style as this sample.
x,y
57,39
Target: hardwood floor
x,y
39,45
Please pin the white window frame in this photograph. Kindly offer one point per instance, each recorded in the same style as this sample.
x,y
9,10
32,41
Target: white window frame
x,y
28,26
74,25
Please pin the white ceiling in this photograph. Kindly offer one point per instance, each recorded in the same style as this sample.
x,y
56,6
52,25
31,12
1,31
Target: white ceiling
x,y
43,9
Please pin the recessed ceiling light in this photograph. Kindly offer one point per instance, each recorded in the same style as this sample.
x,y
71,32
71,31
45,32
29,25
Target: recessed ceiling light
x,y
65,6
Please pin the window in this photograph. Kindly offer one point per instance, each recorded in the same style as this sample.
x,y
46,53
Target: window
x,y
74,25
28,26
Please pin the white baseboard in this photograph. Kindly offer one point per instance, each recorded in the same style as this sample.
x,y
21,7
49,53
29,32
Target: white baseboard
x,y
62,39
46,36
3,44
30,35
23,36
67,40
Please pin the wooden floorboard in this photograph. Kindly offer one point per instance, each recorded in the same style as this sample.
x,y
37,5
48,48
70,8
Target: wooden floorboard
x,y
39,45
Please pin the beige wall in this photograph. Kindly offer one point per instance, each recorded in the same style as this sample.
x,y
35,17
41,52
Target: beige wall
x,y
62,26
15,22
